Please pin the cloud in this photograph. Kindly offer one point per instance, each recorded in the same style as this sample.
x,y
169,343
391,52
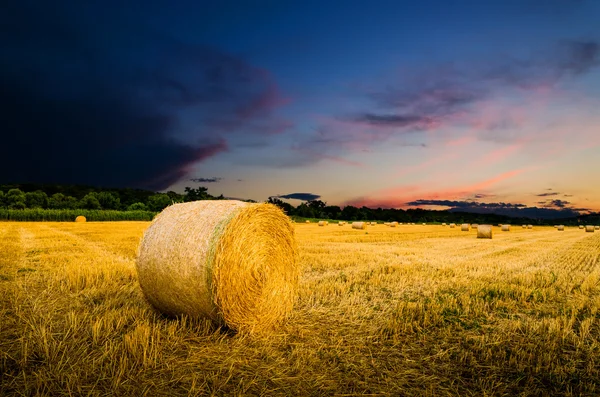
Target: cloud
x,y
207,180
547,194
121,105
464,204
558,203
300,196
393,120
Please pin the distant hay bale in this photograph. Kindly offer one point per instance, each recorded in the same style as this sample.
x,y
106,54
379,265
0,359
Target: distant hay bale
x,y
529,226
373,223
393,224
581,226
555,226
464,227
589,229
224,260
359,225
452,225
597,228
424,224
506,228
322,223
81,218
524,226
560,228
444,224
307,221
474,226
484,231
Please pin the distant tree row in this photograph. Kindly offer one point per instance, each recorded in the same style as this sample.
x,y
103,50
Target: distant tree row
x,y
16,198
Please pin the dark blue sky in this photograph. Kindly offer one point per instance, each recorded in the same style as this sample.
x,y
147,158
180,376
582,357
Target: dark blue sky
x,y
277,97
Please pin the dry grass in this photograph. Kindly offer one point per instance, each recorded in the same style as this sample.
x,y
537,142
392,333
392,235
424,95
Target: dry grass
x,y
404,311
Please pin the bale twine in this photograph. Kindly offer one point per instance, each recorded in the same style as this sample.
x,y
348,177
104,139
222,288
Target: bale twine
x,y
81,218
359,225
484,231
464,227
227,260
322,223
529,226
506,228
452,225
589,229
560,228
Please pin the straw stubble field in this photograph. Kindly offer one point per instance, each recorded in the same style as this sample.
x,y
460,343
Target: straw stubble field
x,y
411,310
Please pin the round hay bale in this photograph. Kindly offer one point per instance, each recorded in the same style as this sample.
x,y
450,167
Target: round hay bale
x,y
560,228
452,225
424,224
373,223
474,226
506,228
307,221
444,224
529,226
589,229
464,227
359,225
340,223
393,224
524,226
581,226
323,223
484,231
81,218
227,260
597,228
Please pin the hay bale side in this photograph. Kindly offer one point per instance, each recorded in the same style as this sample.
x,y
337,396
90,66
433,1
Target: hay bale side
x,y
589,229
474,226
359,225
322,223
224,260
465,227
506,228
580,226
81,218
597,228
560,228
484,231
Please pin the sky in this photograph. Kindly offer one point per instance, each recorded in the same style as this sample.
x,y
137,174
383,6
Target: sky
x,y
479,105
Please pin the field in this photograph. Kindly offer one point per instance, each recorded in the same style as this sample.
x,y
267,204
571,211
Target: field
x,y
412,310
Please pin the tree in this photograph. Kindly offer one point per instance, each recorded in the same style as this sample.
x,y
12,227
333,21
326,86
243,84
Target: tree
x,y
158,202
201,193
137,207
108,201
175,197
287,207
305,211
37,199
60,201
2,198
90,202
15,199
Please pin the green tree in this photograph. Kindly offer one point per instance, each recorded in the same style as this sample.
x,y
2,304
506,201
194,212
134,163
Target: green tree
x,y
201,193
137,207
60,201
15,199
2,199
286,207
305,211
108,200
90,202
159,201
37,199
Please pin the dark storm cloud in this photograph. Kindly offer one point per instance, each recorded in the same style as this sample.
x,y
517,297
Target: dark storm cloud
x,y
89,97
300,196
558,203
206,180
392,120
508,209
547,194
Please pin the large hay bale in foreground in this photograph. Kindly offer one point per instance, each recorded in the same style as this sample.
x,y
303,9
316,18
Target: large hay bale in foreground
x,y
81,218
359,225
452,225
506,228
589,229
465,227
484,231
227,260
560,228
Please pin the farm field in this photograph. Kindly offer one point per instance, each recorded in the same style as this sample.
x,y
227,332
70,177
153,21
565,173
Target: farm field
x,y
411,310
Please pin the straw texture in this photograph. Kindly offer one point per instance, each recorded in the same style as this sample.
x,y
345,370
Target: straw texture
x,y
227,260
359,225
484,231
